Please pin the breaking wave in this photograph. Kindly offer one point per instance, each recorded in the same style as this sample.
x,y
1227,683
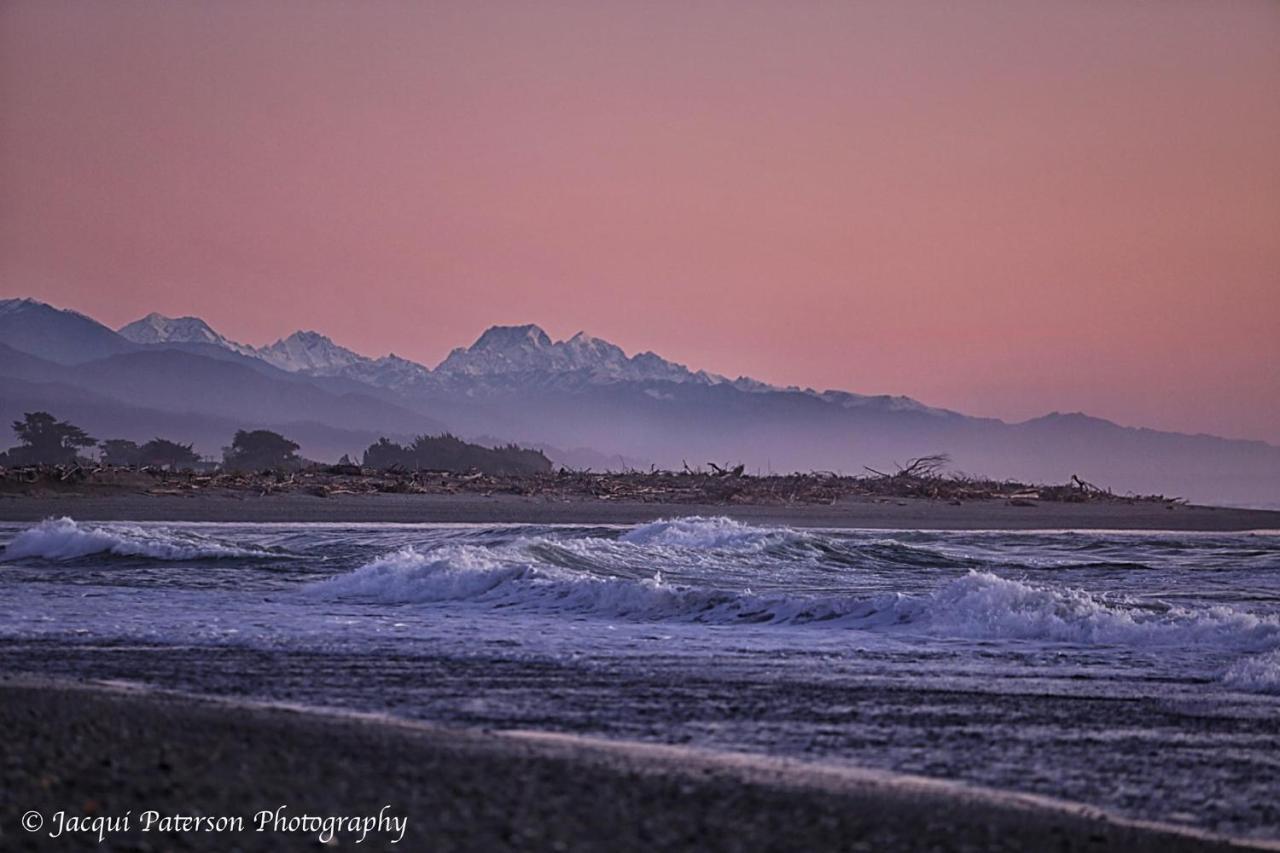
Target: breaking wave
x,y
698,532
471,573
696,535
984,605
1258,674
600,577
64,539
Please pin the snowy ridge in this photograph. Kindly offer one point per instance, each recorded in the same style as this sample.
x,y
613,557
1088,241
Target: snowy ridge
x,y
302,352
505,350
13,306
307,351
156,328
502,354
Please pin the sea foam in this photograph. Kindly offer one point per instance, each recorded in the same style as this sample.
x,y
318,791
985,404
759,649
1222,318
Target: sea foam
x,y
976,605
473,574
1257,674
985,605
65,539
697,532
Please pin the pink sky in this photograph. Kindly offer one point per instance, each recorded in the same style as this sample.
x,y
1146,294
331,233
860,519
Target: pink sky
x,y
1003,207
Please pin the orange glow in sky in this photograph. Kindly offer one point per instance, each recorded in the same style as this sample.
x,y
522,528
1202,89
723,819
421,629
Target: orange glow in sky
x,y
1000,207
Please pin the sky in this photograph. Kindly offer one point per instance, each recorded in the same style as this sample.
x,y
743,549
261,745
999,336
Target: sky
x,y
1006,208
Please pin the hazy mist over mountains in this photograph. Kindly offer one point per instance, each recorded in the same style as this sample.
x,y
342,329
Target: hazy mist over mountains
x,y
583,400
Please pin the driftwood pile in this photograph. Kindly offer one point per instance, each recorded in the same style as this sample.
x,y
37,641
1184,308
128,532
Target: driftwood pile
x,y
716,484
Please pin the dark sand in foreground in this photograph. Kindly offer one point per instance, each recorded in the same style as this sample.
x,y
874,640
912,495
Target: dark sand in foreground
x,y
103,752
499,509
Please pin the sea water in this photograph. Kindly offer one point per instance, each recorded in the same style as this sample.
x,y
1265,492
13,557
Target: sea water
x,y
1135,671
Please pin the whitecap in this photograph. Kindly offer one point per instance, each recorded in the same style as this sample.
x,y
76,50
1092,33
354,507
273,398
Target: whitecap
x,y
977,605
1257,674
699,532
65,539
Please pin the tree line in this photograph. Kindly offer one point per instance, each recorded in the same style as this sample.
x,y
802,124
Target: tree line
x,y
45,440
450,453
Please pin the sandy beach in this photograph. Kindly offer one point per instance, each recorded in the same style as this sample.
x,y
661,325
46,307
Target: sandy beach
x,y
104,752
897,514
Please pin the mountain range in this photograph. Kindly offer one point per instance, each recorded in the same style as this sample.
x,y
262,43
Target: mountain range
x,y
584,401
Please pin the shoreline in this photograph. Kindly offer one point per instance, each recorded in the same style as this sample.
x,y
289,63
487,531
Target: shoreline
x,y
102,749
884,514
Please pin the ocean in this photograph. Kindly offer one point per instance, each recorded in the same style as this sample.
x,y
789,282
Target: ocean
x,y
1138,672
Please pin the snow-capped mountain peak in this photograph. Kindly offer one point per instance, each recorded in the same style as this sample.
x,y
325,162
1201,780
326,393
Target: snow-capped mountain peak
x,y
310,351
13,306
156,328
587,351
508,350
301,352
503,350
500,356
506,338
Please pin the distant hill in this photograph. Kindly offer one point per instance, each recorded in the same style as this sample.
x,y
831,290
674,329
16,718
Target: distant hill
x,y
57,335
515,383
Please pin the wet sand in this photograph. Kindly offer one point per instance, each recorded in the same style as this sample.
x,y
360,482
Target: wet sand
x,y
500,509
101,752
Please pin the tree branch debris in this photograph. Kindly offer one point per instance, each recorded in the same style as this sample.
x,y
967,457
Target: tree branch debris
x,y
923,478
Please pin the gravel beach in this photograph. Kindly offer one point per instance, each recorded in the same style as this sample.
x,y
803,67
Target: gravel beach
x,y
103,752
899,514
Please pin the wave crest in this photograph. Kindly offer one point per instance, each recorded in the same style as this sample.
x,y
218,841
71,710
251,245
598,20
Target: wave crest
x,y
1258,674
475,574
977,605
984,605
63,539
699,532
472,573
